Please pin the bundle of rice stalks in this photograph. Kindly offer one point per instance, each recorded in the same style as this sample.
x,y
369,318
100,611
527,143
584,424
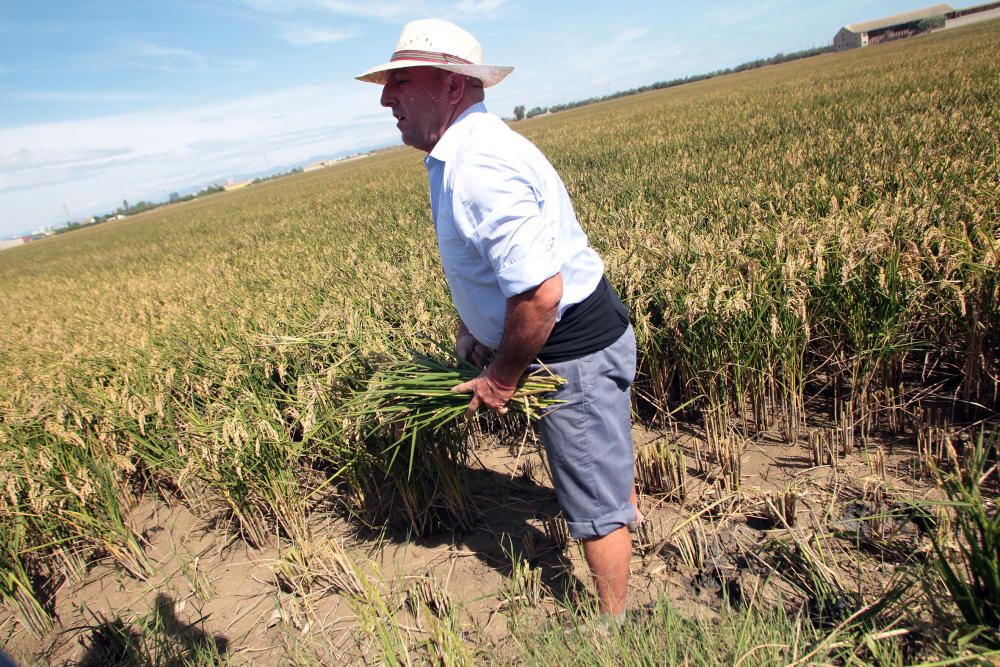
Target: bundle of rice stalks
x,y
410,398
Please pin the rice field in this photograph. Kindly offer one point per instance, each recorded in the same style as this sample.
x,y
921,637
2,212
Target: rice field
x,y
811,256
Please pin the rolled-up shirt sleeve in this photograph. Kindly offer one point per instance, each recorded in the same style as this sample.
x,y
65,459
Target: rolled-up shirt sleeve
x,y
512,234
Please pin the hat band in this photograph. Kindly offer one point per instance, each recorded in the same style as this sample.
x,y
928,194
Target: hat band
x,y
429,56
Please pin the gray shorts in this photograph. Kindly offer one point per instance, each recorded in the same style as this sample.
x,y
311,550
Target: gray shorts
x,y
588,439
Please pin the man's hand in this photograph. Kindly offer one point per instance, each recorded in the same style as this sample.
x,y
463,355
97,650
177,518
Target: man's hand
x,y
486,391
470,349
528,322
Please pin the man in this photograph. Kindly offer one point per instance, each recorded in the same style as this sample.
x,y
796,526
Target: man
x,y
525,284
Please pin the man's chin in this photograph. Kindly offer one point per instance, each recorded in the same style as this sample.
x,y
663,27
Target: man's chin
x,y
420,146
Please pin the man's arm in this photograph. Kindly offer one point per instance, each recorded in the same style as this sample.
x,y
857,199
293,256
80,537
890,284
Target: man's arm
x,y
528,322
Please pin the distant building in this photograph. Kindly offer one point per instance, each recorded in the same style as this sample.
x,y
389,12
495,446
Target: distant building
x,y
891,27
233,184
904,25
354,156
974,14
316,166
329,163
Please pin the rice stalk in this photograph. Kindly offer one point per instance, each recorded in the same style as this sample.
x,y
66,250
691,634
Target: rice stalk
x,y
414,398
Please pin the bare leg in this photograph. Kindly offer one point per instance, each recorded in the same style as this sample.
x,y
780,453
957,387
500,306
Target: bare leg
x,y
608,558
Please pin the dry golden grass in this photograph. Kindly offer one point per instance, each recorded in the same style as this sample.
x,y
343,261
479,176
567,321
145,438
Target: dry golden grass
x,y
824,231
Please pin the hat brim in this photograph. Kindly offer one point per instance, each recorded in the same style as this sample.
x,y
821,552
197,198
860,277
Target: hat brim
x,y
490,75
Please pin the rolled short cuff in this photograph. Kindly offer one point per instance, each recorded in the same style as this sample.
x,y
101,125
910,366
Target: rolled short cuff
x,y
601,526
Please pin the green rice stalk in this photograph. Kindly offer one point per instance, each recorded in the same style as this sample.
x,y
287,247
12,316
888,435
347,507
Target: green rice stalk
x,y
971,571
16,589
415,397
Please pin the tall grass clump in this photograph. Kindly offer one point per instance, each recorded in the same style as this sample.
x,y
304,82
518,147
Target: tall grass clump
x,y
837,236
968,555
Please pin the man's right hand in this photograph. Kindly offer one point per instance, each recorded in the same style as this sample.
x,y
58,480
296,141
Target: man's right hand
x,y
472,350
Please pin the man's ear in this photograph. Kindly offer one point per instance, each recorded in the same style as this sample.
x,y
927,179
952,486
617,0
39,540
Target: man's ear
x,y
456,88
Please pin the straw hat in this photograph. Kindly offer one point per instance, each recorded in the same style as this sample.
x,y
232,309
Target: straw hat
x,y
436,43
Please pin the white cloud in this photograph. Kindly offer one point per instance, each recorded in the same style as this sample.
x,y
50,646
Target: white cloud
x,y
147,155
377,9
295,21
743,13
173,59
77,96
146,49
481,7
385,10
373,9
304,35
627,35
576,65
621,61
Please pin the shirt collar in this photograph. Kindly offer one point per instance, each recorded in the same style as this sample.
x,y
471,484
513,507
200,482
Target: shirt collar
x,y
446,146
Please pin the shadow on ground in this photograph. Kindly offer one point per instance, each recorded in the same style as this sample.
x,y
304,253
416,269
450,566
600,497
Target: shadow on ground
x,y
156,639
504,516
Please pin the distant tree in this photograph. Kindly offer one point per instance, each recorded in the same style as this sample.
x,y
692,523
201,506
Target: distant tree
x,y
519,112
125,205
930,23
209,190
68,227
143,205
174,197
659,85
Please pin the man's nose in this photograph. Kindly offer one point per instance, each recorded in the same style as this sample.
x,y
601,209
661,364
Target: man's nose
x,y
386,99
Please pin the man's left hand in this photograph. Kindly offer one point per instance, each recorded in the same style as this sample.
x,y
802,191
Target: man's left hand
x,y
485,392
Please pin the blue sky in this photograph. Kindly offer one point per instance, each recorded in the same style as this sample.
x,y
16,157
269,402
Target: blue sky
x,y
102,101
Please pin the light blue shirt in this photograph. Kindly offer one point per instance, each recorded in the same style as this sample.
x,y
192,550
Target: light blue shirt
x,y
504,222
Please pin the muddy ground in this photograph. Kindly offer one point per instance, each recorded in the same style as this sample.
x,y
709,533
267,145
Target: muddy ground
x,y
211,592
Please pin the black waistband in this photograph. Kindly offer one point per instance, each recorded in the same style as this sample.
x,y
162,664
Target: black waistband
x,y
588,326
